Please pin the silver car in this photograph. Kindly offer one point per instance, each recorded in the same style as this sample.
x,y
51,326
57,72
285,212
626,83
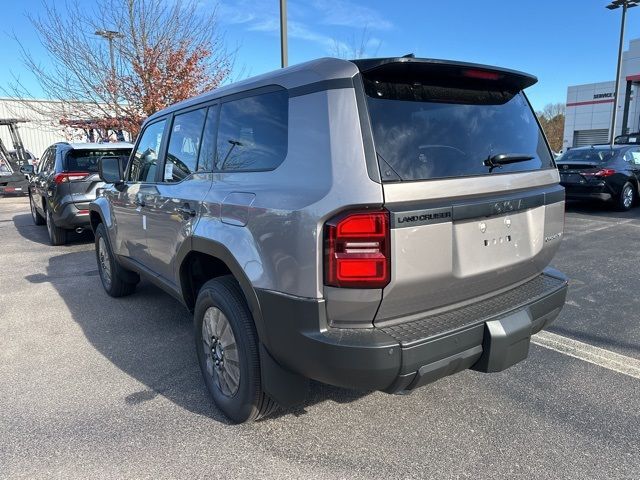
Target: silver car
x,y
373,224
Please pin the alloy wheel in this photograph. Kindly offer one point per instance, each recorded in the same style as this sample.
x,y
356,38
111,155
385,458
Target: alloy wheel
x,y
33,209
627,196
105,262
221,351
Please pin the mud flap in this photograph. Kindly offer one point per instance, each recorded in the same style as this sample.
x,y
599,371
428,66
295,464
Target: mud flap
x,y
506,342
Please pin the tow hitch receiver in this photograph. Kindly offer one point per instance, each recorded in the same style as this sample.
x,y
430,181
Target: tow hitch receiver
x,y
506,342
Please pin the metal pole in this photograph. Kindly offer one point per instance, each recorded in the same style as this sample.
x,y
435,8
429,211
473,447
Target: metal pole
x,y
113,63
283,33
615,93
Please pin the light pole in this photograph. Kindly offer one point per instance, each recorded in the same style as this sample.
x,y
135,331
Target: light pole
x,y
615,4
283,33
110,35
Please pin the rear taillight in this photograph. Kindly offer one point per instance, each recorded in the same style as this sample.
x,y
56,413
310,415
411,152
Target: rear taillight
x,y
603,172
357,250
65,177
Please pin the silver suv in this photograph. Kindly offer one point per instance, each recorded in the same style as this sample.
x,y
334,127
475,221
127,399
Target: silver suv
x,y
372,224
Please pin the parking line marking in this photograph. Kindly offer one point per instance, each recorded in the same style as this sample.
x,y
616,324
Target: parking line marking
x,y
583,351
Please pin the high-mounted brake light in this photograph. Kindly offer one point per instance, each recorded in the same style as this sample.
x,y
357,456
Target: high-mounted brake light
x,y
65,177
481,74
357,247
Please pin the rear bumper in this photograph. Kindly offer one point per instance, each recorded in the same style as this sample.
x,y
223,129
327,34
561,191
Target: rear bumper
x,y
598,191
71,217
488,335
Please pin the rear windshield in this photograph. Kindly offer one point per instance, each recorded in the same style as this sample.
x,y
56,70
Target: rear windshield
x,y
87,160
424,132
589,156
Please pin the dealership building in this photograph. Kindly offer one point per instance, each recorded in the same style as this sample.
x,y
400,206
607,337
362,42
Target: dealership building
x,y
589,107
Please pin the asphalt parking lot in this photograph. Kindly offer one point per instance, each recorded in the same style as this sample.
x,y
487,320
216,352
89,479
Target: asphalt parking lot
x,y
94,387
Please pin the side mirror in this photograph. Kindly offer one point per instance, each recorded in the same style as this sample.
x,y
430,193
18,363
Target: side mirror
x,y
26,169
110,169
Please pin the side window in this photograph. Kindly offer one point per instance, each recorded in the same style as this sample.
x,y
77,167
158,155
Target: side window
x,y
253,132
48,161
43,161
144,161
184,145
635,156
208,148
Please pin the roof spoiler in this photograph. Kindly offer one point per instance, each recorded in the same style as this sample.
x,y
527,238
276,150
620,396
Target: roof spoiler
x,y
443,72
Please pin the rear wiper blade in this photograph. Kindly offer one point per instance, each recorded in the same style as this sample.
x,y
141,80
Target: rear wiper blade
x,y
496,161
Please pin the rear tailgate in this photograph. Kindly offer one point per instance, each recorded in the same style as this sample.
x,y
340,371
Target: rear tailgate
x,y
81,166
462,228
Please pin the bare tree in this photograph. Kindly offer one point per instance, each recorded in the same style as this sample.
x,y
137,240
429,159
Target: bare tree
x,y
552,121
163,52
355,47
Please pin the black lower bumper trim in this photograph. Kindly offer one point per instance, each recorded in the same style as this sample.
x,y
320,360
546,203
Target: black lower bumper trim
x,y
401,359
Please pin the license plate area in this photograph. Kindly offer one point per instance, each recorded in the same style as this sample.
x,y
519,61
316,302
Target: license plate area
x,y
571,178
486,244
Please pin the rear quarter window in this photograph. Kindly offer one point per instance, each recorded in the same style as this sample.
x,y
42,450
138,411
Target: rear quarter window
x,y
426,132
253,132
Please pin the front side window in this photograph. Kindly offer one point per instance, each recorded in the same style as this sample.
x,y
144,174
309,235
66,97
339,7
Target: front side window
x,y
423,132
184,145
145,159
253,132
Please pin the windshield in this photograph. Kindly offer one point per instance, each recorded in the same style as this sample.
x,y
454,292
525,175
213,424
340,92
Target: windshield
x,y
590,156
87,160
452,133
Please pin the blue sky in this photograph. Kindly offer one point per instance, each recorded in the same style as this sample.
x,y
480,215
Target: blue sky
x,y
563,42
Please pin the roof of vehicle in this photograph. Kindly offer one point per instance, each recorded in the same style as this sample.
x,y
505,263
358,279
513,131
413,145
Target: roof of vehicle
x,y
99,146
326,69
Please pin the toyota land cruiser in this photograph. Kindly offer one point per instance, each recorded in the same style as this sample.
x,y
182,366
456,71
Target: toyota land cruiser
x,y
372,224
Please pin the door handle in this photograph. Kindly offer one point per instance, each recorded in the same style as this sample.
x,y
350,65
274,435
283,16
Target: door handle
x,y
186,211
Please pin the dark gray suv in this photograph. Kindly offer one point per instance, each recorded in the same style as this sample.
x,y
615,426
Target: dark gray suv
x,y
64,183
372,224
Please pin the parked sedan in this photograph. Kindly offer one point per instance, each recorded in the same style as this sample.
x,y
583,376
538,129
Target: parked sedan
x,y
65,182
602,172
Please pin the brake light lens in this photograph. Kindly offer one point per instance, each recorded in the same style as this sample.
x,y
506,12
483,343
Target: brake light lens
x,y
65,177
481,74
357,250
603,172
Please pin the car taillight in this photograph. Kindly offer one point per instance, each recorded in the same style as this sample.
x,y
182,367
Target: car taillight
x,y
603,172
69,177
357,250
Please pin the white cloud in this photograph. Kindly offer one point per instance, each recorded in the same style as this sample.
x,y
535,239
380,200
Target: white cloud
x,y
264,17
344,13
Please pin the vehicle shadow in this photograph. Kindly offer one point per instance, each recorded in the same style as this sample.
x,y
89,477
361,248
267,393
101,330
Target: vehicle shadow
x,y
148,336
38,233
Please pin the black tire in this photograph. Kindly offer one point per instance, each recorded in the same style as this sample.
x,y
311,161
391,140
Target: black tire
x,y
248,402
57,235
116,280
627,197
35,215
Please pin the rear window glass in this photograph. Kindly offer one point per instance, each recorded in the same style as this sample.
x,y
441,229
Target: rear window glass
x,y
590,155
427,132
87,160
